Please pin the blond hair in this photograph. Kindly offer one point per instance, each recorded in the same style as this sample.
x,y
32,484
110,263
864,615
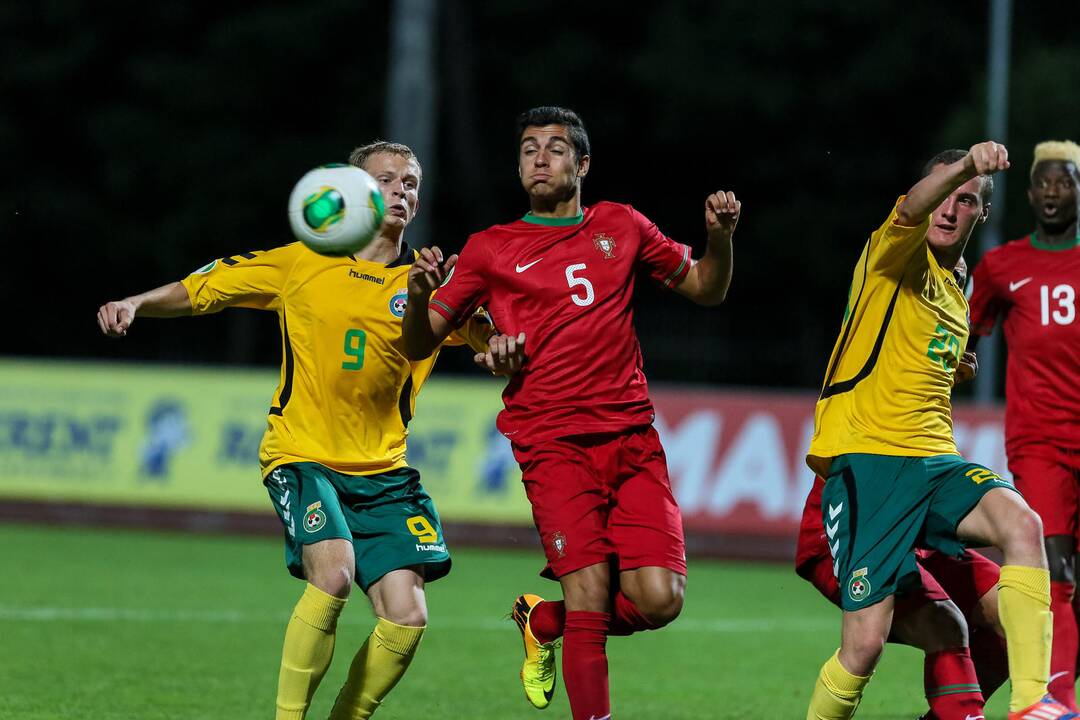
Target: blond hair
x,y
360,155
1060,150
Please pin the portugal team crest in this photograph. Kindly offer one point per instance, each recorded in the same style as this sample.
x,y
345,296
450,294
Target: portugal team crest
x,y
858,588
314,518
397,303
605,244
558,541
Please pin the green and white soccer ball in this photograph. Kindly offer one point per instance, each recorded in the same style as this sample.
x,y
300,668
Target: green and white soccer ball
x,y
336,209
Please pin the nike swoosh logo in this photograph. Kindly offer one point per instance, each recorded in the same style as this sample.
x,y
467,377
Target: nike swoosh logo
x,y
523,268
1055,676
975,717
1014,286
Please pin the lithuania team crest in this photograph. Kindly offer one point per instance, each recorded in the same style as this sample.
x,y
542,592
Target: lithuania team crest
x,y
605,244
314,518
858,587
397,303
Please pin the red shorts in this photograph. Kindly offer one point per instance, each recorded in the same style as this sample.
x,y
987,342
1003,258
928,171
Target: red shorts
x,y
601,497
963,580
1049,479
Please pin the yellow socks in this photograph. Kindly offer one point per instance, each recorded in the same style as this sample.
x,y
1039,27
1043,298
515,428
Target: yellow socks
x,y
309,646
1024,608
837,692
376,669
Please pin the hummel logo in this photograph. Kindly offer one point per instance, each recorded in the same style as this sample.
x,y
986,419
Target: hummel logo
x,y
834,548
1014,286
830,530
521,269
834,511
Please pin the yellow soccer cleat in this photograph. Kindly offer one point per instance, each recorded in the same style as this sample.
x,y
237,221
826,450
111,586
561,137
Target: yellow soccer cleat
x,y
538,670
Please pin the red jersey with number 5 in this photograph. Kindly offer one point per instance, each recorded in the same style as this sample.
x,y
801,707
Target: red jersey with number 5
x,y
567,283
1035,287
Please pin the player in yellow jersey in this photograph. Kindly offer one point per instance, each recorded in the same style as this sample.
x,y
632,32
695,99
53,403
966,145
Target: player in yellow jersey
x,y
883,440
333,456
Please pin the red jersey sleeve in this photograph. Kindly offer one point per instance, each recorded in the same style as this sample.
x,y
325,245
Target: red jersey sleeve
x,y
987,300
666,261
465,290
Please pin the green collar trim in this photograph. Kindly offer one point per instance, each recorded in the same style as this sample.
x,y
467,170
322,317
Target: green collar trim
x,y
1052,247
554,222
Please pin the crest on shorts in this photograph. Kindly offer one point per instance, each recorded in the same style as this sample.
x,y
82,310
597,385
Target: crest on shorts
x,y
558,541
858,588
314,517
605,244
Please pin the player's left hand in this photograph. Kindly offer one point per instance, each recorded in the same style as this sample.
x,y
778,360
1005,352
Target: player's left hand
x,y
505,354
429,271
967,369
722,212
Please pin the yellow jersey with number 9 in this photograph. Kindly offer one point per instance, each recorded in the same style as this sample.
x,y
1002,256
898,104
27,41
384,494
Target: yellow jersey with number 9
x,y
888,386
347,391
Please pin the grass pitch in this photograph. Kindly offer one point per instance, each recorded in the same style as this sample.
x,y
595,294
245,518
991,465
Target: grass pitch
x,y
121,625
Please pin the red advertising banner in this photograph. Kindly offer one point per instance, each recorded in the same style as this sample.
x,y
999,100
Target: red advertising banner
x,y
737,458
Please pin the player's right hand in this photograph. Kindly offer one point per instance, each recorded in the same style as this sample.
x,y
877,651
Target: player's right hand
x,y
987,158
967,368
722,211
505,355
114,318
429,271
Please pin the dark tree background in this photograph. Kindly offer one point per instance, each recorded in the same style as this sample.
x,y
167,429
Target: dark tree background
x,y
142,140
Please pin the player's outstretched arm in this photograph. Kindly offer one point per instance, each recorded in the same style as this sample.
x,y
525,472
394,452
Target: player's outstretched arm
x,y
708,280
423,329
986,158
114,318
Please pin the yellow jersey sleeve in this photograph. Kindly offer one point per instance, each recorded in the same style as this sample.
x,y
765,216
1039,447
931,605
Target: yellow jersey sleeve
x,y
892,245
251,280
474,332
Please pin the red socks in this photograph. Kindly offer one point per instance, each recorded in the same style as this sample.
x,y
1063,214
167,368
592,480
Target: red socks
x,y
1063,652
548,618
585,666
627,619
952,688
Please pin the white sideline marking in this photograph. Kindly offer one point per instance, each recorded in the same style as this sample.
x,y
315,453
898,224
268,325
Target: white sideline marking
x,y
104,614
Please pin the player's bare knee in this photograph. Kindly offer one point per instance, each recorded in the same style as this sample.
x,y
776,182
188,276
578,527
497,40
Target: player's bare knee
x,y
661,605
1025,529
415,616
333,580
860,655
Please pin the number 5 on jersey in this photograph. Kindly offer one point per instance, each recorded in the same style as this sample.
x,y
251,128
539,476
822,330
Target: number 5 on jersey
x,y
575,282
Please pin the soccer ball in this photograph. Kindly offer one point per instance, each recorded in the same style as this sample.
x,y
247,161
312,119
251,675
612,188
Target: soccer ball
x,y
336,209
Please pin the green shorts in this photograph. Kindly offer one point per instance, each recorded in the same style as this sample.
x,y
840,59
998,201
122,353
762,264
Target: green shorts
x,y
877,509
389,518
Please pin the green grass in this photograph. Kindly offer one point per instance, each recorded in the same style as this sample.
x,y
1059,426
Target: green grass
x,y
119,625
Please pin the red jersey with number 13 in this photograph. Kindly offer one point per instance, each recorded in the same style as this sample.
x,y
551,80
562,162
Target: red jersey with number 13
x,y
567,283
1035,287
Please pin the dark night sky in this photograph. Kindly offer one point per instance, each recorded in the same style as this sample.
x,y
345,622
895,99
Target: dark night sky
x,y
141,141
